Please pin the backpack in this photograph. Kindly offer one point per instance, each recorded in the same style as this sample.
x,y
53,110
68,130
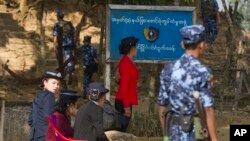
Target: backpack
x,y
209,7
67,29
111,117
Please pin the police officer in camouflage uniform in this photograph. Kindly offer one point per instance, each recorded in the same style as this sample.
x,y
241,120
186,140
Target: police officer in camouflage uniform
x,y
68,40
210,16
178,81
90,62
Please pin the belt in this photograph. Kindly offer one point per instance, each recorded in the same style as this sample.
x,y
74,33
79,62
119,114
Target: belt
x,y
176,119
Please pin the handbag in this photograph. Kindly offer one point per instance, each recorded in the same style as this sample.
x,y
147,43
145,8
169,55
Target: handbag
x,y
111,117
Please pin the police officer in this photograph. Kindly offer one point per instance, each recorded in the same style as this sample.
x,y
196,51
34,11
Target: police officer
x,y
43,105
178,81
64,36
211,17
90,62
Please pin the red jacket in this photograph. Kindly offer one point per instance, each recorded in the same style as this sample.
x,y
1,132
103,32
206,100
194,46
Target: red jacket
x,y
127,91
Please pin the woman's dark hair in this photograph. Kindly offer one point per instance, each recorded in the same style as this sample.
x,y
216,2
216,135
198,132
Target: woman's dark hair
x,y
124,50
63,103
126,44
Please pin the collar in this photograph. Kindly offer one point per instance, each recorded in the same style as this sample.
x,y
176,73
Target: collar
x,y
189,56
47,91
95,103
129,58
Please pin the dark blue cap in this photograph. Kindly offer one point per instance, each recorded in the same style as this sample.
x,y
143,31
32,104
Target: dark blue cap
x,y
97,86
193,34
67,96
53,74
69,93
95,90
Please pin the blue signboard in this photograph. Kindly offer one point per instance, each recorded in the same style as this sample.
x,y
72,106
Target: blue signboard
x,y
158,30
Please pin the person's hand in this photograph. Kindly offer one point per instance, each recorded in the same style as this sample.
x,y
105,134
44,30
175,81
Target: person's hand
x,y
73,110
127,112
136,108
165,138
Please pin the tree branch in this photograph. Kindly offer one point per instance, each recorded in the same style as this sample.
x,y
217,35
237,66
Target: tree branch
x,y
23,81
38,80
84,18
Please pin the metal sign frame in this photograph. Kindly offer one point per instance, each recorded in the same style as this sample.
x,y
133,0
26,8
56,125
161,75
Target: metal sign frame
x,y
134,7
139,8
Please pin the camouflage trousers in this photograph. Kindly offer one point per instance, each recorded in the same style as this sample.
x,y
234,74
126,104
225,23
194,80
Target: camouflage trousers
x,y
210,25
86,81
70,66
177,134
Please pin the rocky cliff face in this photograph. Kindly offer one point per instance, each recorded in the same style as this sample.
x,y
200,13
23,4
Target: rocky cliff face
x,y
21,44
16,46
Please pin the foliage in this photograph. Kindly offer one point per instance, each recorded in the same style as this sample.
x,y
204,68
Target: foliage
x,y
242,16
139,2
145,125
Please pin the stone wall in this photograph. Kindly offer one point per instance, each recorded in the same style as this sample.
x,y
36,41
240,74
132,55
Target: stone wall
x,y
16,127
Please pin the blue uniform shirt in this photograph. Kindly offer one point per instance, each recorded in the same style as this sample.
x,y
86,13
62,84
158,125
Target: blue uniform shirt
x,y
180,79
43,105
89,54
68,40
209,7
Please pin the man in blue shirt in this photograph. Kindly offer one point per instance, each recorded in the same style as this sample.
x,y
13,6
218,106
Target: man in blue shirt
x,y
90,62
64,38
178,81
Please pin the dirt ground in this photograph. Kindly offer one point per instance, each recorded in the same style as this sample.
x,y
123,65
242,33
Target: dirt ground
x,y
227,118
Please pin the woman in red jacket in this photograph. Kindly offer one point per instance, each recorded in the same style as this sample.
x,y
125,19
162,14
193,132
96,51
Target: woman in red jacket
x,y
127,95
